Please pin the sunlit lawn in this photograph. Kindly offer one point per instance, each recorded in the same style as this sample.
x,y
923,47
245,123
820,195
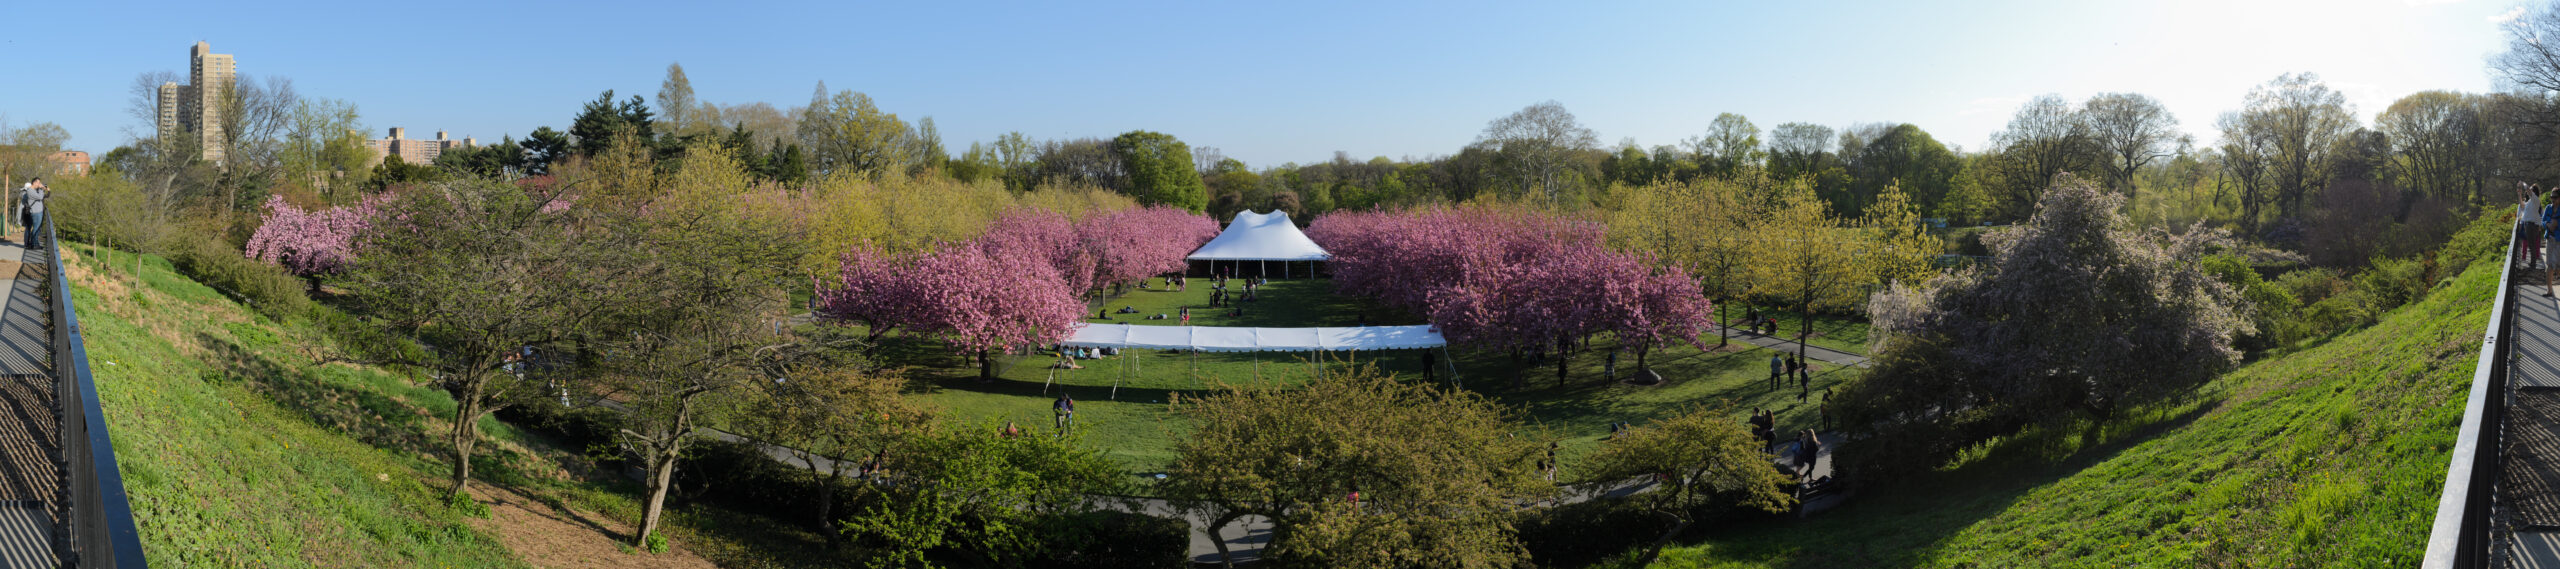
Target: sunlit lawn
x,y
1122,401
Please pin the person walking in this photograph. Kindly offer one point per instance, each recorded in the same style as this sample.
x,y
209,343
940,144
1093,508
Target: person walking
x,y
1826,409
31,211
1065,409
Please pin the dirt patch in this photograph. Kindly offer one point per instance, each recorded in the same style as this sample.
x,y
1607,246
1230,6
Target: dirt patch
x,y
551,537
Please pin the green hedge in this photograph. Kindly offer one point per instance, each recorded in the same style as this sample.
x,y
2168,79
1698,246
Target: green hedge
x,y
266,288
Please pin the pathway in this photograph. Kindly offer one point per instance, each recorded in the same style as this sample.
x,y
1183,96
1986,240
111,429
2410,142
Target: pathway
x,y
2530,485
1818,353
30,479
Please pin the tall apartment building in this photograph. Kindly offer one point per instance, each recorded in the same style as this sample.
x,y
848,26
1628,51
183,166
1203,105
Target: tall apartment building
x,y
195,109
414,151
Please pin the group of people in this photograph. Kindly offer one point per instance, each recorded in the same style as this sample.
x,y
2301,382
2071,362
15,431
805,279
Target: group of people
x,y
1783,368
1764,427
1067,356
2536,218
1755,322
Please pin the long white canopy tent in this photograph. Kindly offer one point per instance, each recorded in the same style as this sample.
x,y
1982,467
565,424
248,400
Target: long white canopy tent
x,y
1261,238
1196,339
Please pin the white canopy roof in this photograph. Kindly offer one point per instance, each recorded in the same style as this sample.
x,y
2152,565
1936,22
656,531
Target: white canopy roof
x,y
1261,237
1225,339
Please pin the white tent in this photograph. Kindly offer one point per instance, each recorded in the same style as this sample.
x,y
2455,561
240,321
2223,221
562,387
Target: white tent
x,y
1196,339
1261,237
1231,339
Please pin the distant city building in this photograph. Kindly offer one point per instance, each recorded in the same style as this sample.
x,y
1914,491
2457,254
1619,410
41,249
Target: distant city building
x,y
195,109
71,163
412,150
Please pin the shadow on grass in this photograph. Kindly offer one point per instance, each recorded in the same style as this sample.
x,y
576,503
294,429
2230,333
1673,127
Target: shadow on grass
x,y
1896,524
372,417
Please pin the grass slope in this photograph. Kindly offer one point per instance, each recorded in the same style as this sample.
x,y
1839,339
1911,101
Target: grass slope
x,y
237,450
2328,457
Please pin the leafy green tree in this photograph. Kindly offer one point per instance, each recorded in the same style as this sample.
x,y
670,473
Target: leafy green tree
x,y
543,148
1731,144
394,172
847,133
693,315
1159,170
1901,155
832,413
1706,461
1436,473
1806,256
600,120
474,271
983,495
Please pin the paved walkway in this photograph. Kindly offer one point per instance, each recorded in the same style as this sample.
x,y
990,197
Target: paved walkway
x,y
1818,353
30,480
2529,488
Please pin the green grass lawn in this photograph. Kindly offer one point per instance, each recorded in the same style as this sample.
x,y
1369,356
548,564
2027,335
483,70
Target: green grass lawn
x,y
2328,457
238,451
1122,401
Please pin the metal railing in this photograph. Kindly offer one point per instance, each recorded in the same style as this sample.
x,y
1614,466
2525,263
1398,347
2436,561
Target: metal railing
x,y
96,521
2464,525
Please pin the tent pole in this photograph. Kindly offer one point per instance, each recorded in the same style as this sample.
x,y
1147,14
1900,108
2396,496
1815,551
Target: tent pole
x,y
1452,361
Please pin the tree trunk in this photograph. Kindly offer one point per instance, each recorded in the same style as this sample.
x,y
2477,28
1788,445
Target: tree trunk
x,y
1678,523
1805,335
827,502
1724,330
1224,558
465,435
1640,352
986,367
1561,350
662,471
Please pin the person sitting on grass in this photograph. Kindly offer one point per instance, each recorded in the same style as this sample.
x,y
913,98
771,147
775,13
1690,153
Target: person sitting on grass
x,y
1128,310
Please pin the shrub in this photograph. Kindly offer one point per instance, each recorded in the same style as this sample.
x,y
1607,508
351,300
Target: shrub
x,y
1109,539
263,287
1586,533
2394,282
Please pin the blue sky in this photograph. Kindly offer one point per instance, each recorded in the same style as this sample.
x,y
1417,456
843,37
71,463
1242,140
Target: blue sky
x,y
1264,82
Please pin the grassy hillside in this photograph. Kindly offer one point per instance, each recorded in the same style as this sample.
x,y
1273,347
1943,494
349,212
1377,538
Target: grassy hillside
x,y
2328,457
239,451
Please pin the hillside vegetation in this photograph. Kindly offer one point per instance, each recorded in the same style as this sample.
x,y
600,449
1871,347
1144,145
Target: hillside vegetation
x,y
2331,456
238,450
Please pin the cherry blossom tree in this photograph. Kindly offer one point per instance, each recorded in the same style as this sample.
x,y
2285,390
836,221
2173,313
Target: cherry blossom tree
x,y
310,243
1136,243
1031,234
1511,279
955,293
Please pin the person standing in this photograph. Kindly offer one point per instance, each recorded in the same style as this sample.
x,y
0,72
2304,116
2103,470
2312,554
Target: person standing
x,y
2528,224
31,211
1777,367
1612,368
1065,409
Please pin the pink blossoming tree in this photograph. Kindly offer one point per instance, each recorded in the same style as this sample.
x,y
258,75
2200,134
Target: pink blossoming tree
x,y
310,244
